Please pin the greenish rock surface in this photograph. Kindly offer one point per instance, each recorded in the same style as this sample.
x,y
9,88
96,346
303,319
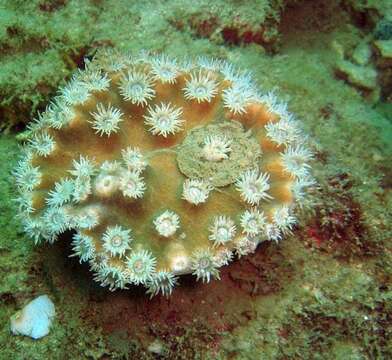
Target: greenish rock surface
x,y
322,293
42,42
384,48
362,53
363,77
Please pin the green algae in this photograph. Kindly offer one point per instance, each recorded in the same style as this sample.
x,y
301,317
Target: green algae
x,y
52,37
323,293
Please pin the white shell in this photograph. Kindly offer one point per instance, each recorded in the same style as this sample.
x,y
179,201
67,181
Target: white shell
x,y
34,319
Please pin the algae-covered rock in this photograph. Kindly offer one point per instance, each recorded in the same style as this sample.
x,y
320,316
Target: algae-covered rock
x,y
384,52
302,298
231,22
364,78
362,53
383,30
42,42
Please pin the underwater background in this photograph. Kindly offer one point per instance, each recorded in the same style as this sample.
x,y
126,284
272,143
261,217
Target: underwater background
x,y
323,292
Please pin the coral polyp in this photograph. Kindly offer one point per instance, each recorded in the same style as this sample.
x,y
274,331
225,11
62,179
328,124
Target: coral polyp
x,y
164,119
162,167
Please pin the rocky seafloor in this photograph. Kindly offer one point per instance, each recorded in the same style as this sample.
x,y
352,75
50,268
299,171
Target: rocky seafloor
x,y
324,292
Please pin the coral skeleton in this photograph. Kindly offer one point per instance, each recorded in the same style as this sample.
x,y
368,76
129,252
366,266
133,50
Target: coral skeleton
x,y
158,167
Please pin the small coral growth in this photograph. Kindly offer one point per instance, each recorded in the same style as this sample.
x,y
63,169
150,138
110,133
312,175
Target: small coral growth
x,y
162,167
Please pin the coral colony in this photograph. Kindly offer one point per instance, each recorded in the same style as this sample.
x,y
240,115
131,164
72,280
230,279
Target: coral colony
x,y
162,167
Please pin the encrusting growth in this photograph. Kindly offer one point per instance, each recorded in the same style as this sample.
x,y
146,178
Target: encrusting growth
x,y
161,167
